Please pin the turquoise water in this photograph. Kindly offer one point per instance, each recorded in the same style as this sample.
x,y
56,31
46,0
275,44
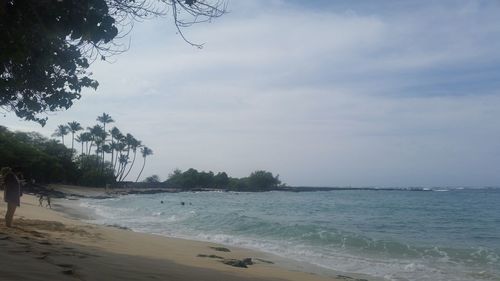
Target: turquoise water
x,y
397,235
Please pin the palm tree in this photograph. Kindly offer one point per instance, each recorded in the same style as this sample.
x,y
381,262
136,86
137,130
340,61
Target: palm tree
x,y
61,131
85,137
73,128
120,147
105,119
123,159
128,140
97,133
134,144
115,133
81,139
145,153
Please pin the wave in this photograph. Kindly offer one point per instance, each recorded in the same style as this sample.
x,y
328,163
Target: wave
x,y
292,232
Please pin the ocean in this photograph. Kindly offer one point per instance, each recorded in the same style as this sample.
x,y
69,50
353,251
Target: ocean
x,y
444,234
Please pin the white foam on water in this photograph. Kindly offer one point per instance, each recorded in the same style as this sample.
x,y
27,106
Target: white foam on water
x,y
176,222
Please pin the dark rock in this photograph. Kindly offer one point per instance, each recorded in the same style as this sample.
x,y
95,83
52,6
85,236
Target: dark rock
x,y
235,263
68,271
265,261
118,226
247,261
221,249
210,256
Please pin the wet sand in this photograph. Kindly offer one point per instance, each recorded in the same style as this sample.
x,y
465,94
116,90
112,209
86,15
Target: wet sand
x,y
45,244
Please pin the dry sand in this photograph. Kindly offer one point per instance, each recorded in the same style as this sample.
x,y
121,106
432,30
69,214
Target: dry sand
x,y
48,245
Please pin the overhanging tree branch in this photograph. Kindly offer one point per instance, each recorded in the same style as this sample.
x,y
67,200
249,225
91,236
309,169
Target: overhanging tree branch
x,y
48,45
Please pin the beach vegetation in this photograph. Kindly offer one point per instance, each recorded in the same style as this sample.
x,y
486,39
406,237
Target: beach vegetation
x,y
120,148
74,127
145,151
152,179
263,179
48,160
61,131
91,174
39,158
193,179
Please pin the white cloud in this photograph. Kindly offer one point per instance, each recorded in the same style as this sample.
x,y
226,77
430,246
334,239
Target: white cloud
x,y
321,97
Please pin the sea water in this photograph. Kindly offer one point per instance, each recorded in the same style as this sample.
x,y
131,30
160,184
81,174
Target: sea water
x,y
445,234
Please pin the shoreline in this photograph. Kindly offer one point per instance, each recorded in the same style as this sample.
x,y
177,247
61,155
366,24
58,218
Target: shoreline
x,y
148,254
69,208
103,193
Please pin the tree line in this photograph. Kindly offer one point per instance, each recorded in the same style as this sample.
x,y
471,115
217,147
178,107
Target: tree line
x,y
40,159
105,156
193,179
97,143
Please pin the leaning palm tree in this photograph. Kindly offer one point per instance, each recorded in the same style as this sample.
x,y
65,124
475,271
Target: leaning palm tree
x,y
145,153
128,140
134,144
61,131
120,148
73,128
123,160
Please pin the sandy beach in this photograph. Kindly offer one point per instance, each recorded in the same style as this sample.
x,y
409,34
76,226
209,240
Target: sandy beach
x,y
46,244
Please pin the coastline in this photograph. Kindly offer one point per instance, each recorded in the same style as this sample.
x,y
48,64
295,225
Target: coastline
x,y
58,244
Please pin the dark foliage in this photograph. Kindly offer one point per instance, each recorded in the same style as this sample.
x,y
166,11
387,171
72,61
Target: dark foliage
x,y
46,161
42,66
192,179
38,158
92,173
47,46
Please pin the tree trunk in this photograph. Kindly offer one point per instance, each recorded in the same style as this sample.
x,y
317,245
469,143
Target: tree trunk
x,y
103,143
143,164
116,162
90,147
131,165
125,165
112,149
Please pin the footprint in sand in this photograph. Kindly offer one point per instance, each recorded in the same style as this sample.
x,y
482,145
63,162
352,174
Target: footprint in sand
x,y
42,257
68,269
36,234
19,251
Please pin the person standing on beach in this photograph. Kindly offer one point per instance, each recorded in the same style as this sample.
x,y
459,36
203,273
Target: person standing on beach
x,y
12,195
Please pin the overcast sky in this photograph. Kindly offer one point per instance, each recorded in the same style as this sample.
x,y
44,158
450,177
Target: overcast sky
x,y
360,93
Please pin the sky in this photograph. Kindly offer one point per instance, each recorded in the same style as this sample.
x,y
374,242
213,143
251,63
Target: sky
x,y
323,93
